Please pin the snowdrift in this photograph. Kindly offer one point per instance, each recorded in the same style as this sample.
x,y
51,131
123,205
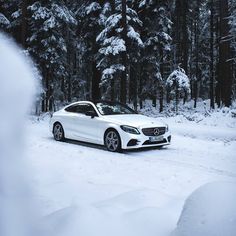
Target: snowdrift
x,y
209,211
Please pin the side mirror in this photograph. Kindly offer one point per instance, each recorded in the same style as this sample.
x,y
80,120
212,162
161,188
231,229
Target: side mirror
x,y
92,114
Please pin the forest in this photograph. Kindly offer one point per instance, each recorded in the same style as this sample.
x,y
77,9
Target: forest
x,y
127,50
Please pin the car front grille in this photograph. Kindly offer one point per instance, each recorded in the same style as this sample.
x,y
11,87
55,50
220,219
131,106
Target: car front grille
x,y
154,131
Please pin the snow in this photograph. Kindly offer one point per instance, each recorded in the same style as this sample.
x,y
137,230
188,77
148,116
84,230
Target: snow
x,y
16,14
218,218
94,6
52,14
133,193
81,189
16,95
113,45
178,79
202,115
142,3
50,23
109,72
134,35
3,20
105,12
64,14
110,24
39,12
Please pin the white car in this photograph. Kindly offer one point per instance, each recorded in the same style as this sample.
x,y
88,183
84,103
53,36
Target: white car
x,y
108,123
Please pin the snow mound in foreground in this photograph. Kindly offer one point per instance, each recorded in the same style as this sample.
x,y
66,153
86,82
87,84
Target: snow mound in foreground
x,y
128,214
16,94
209,211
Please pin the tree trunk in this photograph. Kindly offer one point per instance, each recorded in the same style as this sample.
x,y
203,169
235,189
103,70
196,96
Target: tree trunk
x,y
96,83
133,85
195,92
191,58
168,95
176,100
217,74
70,69
154,101
185,97
196,31
225,68
112,90
112,84
212,103
161,89
124,55
161,97
43,103
23,22
185,36
140,90
181,33
47,91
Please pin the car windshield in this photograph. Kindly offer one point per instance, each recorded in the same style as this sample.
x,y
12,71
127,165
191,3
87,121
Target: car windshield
x,y
113,108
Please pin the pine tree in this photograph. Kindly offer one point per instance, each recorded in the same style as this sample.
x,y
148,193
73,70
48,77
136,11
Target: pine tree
x,y
155,16
123,49
115,45
180,33
48,46
5,15
4,22
179,83
89,27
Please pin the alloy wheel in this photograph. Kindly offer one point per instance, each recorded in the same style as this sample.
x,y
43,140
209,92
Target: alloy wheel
x,y
112,141
58,132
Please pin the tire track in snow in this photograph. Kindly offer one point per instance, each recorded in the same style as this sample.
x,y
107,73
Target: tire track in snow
x,y
192,166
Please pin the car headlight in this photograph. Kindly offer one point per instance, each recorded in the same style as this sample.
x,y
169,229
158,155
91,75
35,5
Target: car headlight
x,y
130,129
167,128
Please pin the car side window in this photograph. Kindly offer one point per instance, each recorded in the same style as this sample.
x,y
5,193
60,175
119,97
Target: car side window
x,y
71,108
81,108
88,108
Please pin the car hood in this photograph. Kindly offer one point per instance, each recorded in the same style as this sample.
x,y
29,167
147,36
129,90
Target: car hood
x,y
134,120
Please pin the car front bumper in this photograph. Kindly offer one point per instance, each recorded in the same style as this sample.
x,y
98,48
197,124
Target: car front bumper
x,y
133,141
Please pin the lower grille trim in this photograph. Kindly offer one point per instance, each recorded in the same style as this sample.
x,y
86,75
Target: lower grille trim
x,y
154,143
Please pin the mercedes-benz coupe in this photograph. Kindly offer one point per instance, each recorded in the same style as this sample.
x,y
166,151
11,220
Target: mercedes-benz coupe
x,y
112,124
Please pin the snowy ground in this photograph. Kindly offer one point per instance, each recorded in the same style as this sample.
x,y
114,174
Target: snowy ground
x,y
142,190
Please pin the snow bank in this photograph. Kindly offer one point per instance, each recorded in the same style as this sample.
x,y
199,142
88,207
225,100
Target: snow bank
x,y
203,123
133,213
209,211
16,95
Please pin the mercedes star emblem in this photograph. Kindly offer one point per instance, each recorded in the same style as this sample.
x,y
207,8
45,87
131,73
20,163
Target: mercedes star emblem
x,y
156,131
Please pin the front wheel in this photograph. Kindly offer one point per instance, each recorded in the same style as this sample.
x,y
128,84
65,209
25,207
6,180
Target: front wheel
x,y
112,141
58,132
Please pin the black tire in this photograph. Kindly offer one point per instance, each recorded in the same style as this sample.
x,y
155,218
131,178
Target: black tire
x,y
58,132
112,141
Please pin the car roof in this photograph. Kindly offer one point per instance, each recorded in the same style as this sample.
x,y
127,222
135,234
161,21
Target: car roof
x,y
74,103
92,102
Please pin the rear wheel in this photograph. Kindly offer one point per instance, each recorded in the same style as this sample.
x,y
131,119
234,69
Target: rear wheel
x,y
58,132
112,141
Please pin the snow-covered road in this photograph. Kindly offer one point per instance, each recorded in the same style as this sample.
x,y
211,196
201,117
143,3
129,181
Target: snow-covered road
x,y
144,188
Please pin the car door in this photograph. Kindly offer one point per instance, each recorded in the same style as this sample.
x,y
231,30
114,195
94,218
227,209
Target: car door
x,y
70,121
87,128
